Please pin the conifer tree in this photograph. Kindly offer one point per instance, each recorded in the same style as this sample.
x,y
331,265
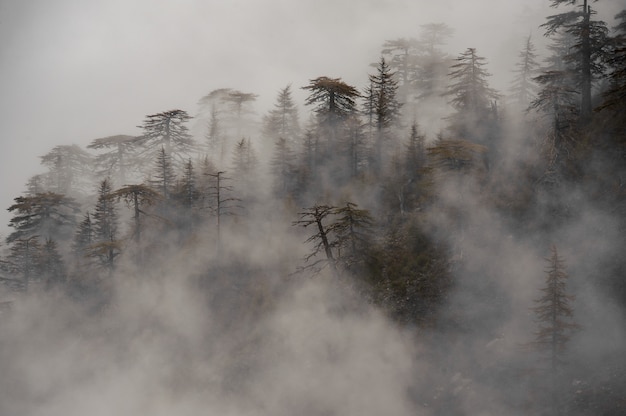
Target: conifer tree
x,y
137,197
589,48
84,237
334,100
315,217
384,106
164,177
402,54
282,120
472,98
47,214
554,316
524,88
107,246
553,312
23,260
168,131
117,159
352,228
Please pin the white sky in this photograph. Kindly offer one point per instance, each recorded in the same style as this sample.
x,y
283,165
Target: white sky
x,y
75,70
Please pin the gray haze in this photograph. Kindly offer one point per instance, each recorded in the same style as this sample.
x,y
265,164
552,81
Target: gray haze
x,y
73,71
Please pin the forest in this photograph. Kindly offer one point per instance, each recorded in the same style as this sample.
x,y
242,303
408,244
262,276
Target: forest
x,y
419,244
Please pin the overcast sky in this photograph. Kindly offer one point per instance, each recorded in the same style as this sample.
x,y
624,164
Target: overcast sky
x,y
75,70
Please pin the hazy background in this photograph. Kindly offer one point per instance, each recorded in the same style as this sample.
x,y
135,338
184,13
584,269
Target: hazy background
x,y
75,70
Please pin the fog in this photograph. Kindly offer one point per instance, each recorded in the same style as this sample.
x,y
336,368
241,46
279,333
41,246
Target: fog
x,y
234,317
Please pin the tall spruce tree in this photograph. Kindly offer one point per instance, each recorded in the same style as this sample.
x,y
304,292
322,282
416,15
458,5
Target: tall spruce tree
x,y
107,246
554,317
472,98
587,52
383,108
282,121
524,88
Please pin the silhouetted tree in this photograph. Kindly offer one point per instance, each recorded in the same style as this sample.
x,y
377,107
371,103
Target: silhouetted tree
x,y
23,261
315,217
554,316
334,100
385,107
107,246
588,50
471,97
164,177
168,131
402,56
136,197
46,214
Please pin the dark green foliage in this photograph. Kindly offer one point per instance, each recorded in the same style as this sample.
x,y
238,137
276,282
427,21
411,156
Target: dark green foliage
x,y
412,277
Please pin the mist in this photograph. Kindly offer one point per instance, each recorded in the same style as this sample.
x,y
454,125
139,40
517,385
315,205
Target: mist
x,y
274,251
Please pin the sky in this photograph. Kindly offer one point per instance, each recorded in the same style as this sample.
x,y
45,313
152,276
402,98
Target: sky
x,y
76,70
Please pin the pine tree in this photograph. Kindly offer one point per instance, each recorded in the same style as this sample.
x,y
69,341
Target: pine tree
x,y
589,48
403,58
168,131
84,237
315,217
23,260
137,197
554,316
524,88
385,107
554,313
472,98
107,246
164,177
282,120
352,228
48,215
333,98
